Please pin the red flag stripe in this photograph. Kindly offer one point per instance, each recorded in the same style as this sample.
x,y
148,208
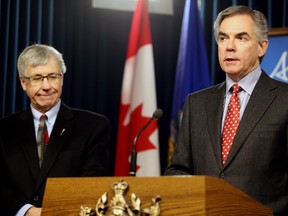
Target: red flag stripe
x,y
140,29
138,101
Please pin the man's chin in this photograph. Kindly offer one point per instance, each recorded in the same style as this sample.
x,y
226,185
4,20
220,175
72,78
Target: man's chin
x,y
44,106
231,71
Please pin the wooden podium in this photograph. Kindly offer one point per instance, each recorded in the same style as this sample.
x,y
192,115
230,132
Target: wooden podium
x,y
180,195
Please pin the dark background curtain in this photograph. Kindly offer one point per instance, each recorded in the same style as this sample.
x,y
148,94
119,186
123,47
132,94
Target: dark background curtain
x,y
94,44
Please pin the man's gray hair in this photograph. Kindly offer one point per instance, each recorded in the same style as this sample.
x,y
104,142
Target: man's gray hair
x,y
261,26
39,54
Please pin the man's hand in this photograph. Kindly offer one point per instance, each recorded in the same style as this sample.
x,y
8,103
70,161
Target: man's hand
x,y
33,211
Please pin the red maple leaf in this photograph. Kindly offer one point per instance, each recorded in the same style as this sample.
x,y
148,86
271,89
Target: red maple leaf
x,y
137,122
127,134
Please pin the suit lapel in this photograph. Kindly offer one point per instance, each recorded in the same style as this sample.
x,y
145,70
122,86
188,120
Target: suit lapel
x,y
27,141
61,130
214,118
260,100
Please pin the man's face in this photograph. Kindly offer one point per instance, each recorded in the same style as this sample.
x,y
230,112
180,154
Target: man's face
x,y
43,94
238,47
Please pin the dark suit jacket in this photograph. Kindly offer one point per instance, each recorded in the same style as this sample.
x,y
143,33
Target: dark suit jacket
x,y
81,150
258,160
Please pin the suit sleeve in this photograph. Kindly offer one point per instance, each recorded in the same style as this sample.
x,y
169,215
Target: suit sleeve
x,y
181,163
96,161
10,200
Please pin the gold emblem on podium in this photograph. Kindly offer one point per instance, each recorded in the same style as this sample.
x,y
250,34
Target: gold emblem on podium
x,y
119,204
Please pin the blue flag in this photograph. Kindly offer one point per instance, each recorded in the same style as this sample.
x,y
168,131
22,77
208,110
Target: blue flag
x,y
192,68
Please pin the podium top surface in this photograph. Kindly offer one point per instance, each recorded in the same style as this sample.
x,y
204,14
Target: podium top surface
x,y
185,195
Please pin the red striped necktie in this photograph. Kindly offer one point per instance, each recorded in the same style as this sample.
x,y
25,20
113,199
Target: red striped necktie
x,y
42,138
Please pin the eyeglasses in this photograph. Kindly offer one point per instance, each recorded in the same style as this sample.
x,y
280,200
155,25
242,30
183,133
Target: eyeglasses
x,y
38,79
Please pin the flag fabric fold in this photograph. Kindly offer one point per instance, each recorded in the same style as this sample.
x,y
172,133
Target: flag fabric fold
x,y
138,101
192,71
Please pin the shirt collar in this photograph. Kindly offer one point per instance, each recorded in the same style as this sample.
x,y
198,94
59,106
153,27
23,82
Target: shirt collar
x,y
51,114
247,83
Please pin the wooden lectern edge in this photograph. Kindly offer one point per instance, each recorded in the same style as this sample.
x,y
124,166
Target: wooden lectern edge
x,y
181,195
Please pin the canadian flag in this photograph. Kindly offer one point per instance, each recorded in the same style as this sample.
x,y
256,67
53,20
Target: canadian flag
x,y
138,101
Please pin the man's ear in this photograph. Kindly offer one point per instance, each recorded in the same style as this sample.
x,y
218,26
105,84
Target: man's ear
x,y
23,83
262,48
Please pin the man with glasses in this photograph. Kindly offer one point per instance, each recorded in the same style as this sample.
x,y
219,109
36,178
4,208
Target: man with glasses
x,y
49,139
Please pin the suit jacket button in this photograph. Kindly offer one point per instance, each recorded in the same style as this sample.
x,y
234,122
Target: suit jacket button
x,y
222,176
36,198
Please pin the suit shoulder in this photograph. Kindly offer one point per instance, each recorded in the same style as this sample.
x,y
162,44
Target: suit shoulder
x,y
273,83
207,91
281,84
12,117
89,115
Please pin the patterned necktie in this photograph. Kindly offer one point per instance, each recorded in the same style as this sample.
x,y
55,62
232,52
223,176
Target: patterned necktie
x,y
231,122
42,139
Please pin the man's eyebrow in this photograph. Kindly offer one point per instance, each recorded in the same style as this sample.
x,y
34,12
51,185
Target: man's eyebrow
x,y
222,33
242,34
238,34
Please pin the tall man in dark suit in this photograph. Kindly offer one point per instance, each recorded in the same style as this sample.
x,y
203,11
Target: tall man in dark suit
x,y
257,161
77,143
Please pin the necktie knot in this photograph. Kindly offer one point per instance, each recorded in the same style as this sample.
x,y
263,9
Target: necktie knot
x,y
236,88
43,117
